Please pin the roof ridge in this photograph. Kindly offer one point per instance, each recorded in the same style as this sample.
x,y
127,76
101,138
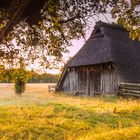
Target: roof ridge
x,y
110,25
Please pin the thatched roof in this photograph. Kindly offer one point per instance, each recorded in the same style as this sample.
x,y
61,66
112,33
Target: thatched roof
x,y
110,43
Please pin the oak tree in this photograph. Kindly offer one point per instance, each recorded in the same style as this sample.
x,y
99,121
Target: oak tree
x,y
42,29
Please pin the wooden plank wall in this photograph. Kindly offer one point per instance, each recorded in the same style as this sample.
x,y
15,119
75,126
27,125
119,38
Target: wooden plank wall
x,y
70,81
73,78
65,87
82,81
110,79
100,79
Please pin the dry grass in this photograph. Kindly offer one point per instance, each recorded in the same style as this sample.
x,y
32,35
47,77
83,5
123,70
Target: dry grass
x,y
39,115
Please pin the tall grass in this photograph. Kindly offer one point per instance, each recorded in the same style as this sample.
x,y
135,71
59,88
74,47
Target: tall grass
x,y
39,115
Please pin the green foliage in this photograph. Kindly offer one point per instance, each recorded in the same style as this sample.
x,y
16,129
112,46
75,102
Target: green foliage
x,y
44,33
6,75
19,86
128,15
43,78
17,75
44,29
14,75
20,79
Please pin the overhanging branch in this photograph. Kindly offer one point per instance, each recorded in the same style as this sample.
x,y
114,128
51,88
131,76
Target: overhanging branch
x,y
14,18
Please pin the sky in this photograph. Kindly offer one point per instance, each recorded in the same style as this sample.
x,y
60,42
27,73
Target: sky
x,y
77,44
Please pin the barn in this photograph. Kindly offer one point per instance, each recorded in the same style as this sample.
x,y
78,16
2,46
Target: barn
x,y
107,58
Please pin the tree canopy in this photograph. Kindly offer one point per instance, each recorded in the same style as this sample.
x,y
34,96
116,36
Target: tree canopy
x,y
42,29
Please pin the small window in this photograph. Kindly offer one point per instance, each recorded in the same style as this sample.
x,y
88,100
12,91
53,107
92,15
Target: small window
x,y
97,33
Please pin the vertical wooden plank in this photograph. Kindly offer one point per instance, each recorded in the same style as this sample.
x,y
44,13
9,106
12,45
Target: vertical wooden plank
x,y
88,83
93,79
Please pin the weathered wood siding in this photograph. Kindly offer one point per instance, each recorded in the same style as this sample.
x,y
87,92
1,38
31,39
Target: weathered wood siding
x,y
92,80
110,79
70,81
82,81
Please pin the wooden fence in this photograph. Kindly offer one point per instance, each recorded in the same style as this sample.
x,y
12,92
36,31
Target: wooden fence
x,y
129,89
51,88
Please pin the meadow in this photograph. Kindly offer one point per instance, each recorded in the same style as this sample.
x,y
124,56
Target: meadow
x,y
39,115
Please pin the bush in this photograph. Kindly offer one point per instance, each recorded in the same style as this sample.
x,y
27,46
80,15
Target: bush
x,y
20,86
20,79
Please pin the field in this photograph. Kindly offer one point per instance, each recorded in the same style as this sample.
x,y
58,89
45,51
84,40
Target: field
x,y
39,115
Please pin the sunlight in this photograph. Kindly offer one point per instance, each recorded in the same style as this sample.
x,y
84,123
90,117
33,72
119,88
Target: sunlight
x,y
53,71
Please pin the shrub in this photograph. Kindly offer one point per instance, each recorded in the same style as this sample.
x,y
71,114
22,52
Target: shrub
x,y
20,79
19,86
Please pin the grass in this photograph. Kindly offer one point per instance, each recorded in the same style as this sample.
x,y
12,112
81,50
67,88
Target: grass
x,y
39,115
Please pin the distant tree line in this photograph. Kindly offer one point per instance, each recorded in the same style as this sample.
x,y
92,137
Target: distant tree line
x,y
42,78
7,76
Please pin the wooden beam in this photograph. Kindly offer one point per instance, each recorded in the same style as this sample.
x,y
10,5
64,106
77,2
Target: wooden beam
x,y
129,84
129,89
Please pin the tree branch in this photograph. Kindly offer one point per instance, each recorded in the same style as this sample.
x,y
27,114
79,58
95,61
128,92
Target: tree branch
x,y
14,18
